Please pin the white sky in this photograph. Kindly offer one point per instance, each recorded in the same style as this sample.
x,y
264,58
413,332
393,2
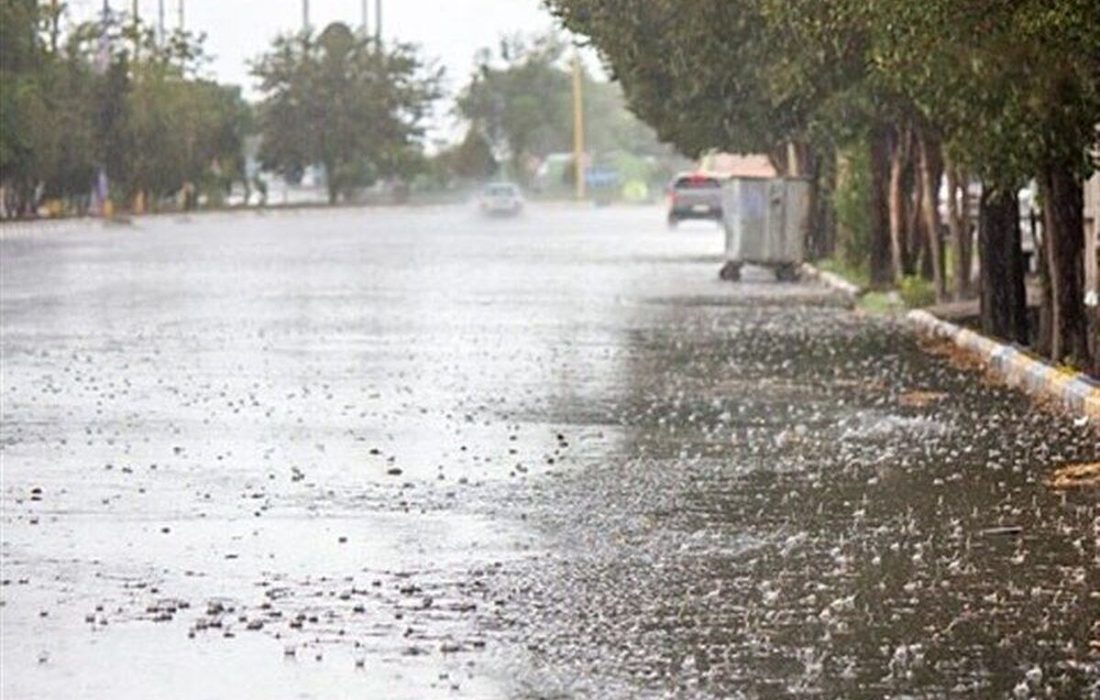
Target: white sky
x,y
240,30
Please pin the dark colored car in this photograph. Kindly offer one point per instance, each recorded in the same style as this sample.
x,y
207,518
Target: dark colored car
x,y
694,196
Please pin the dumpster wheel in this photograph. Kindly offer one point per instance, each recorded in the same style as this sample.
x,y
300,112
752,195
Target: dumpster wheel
x,y
786,273
730,272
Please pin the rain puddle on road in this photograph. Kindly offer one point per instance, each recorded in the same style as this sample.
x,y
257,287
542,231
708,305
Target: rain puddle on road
x,y
405,456
815,509
298,599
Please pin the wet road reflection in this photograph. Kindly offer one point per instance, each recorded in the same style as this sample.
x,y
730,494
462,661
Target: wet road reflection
x,y
415,454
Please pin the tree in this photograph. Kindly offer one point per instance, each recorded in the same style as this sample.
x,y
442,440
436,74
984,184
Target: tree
x,y
746,76
341,101
108,95
470,160
1014,89
22,102
1005,91
520,101
691,74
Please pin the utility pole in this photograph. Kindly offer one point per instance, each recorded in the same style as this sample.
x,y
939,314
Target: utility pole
x,y
136,19
363,28
103,54
101,188
137,206
182,17
305,15
55,29
160,21
578,126
378,22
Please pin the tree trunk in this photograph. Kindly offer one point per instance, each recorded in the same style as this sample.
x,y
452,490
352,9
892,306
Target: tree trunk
x,y
1003,294
1065,230
960,231
827,179
1045,336
779,158
815,227
803,163
881,271
811,170
966,247
898,212
931,171
794,160
331,183
920,263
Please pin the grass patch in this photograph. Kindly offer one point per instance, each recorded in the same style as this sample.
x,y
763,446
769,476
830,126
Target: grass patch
x,y
857,275
881,303
913,293
917,292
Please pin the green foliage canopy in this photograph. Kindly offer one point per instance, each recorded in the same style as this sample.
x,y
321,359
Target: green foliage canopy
x,y
139,110
341,101
520,101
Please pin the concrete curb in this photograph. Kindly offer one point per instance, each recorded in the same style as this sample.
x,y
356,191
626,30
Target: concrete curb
x,y
43,226
1073,391
834,282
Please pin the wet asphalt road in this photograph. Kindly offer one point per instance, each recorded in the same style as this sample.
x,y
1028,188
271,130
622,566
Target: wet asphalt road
x,y
415,454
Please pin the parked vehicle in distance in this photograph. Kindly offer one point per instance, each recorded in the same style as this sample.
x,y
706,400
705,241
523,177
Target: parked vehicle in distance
x,y
694,196
500,199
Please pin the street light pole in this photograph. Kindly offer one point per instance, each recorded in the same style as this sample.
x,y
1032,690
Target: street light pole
x,y
578,127
366,10
137,28
182,17
160,21
378,22
102,187
55,21
305,15
103,53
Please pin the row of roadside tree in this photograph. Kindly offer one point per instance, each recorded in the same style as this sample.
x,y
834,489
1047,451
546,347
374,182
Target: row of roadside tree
x,y
108,106
912,98
107,113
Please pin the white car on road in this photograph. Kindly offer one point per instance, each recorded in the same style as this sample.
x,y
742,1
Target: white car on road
x,y
500,199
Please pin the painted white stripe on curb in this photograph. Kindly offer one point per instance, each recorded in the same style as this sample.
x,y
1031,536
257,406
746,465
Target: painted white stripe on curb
x,y
1017,369
834,282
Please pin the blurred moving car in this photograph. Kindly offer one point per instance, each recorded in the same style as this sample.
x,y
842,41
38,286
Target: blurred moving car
x,y
500,199
694,196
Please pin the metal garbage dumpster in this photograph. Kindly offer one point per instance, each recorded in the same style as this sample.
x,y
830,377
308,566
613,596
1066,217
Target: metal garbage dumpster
x,y
766,221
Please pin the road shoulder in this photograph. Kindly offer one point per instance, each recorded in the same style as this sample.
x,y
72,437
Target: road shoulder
x,y
1073,391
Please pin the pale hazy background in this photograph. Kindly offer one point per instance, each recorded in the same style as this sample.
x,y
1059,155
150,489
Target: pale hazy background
x,y
240,30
